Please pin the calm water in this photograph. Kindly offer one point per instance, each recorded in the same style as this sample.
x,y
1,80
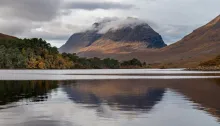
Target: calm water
x,y
109,98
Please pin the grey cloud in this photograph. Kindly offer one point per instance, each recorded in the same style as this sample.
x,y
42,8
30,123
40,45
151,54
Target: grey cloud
x,y
65,12
21,18
14,27
34,10
96,5
55,30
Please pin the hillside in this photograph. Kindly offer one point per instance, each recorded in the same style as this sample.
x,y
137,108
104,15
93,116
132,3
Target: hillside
x,y
202,39
114,36
201,45
210,65
4,36
79,40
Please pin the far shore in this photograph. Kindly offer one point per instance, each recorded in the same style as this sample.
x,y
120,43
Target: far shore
x,y
201,68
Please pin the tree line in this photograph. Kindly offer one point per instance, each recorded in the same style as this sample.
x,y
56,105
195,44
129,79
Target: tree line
x,y
38,54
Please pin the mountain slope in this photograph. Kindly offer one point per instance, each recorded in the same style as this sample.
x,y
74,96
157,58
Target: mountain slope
x,y
202,44
79,40
4,36
114,34
200,39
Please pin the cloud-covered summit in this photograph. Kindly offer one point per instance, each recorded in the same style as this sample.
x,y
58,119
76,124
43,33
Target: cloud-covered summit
x,y
107,24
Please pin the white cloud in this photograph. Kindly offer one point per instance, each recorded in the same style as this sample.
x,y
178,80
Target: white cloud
x,y
115,23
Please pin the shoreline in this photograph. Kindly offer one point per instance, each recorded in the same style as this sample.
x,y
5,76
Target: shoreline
x,y
212,68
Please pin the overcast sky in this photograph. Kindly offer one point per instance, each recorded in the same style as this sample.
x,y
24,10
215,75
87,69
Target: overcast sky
x,y
56,20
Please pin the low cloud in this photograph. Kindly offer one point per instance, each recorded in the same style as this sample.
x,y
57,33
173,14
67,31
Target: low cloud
x,y
85,5
114,23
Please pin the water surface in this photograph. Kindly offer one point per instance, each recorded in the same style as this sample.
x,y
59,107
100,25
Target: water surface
x,y
36,98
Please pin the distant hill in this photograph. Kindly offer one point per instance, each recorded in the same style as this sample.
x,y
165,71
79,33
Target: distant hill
x,y
6,36
114,36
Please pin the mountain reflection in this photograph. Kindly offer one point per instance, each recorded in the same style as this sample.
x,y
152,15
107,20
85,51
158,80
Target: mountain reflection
x,y
120,95
13,91
143,95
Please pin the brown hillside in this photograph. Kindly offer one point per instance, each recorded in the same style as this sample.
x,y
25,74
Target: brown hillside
x,y
112,47
6,36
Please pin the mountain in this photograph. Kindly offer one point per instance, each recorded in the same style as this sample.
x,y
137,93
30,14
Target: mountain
x,y
6,36
114,36
201,45
138,40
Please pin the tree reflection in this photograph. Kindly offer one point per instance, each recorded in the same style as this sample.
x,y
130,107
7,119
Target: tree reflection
x,y
35,91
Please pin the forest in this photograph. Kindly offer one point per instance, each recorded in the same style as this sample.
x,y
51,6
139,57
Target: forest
x,y
38,54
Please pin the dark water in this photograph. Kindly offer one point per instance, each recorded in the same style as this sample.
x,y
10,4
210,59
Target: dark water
x,y
171,102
